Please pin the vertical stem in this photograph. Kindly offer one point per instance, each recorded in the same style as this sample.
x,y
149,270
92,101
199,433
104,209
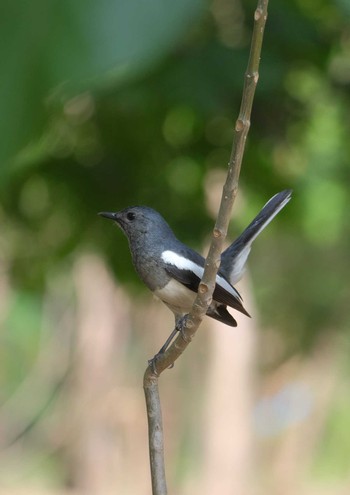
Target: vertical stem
x,y
212,263
155,432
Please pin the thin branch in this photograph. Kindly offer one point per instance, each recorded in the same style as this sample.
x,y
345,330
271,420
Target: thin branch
x,y
155,433
212,263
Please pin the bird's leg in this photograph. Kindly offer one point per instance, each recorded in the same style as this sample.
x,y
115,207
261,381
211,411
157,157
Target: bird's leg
x,y
152,362
168,341
180,324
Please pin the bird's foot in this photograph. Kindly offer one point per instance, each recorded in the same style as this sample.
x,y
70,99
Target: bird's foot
x,y
152,363
181,325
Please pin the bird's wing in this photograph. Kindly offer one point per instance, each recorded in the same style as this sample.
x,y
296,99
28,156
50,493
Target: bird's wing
x,y
189,273
234,258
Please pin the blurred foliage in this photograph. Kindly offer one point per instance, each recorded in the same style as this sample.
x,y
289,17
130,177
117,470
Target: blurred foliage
x,y
49,44
332,460
111,103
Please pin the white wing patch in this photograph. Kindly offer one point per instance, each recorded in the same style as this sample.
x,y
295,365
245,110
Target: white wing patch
x,y
186,264
182,263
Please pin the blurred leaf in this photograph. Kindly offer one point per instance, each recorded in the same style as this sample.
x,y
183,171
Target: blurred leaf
x,y
44,43
19,340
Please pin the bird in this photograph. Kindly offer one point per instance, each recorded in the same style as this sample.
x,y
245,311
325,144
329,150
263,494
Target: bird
x,y
172,270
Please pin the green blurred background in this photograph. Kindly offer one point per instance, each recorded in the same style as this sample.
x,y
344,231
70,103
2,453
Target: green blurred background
x,y
112,103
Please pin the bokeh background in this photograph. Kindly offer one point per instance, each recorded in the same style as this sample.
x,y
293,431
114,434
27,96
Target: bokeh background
x,y
111,103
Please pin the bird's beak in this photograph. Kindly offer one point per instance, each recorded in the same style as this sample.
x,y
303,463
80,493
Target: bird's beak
x,y
108,214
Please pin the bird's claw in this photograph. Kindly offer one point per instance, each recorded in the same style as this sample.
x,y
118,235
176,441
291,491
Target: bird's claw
x,y
181,326
152,363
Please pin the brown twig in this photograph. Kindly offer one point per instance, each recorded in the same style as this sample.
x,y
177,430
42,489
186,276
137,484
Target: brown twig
x,y
212,263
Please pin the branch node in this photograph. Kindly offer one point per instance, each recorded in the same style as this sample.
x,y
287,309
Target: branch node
x,y
239,125
217,233
257,14
203,288
255,76
189,323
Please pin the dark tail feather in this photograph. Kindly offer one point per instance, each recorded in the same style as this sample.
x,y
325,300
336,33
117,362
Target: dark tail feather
x,y
235,256
221,314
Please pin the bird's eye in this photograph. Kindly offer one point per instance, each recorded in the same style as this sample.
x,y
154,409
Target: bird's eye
x,y
130,216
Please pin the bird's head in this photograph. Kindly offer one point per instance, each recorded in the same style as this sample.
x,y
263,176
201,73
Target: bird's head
x,y
140,222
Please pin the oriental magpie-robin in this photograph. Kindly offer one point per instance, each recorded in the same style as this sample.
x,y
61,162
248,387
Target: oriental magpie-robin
x,y
172,270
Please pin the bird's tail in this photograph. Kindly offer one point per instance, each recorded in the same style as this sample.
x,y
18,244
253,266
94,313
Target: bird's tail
x,y
233,259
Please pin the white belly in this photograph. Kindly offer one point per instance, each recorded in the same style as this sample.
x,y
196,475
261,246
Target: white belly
x,y
177,297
